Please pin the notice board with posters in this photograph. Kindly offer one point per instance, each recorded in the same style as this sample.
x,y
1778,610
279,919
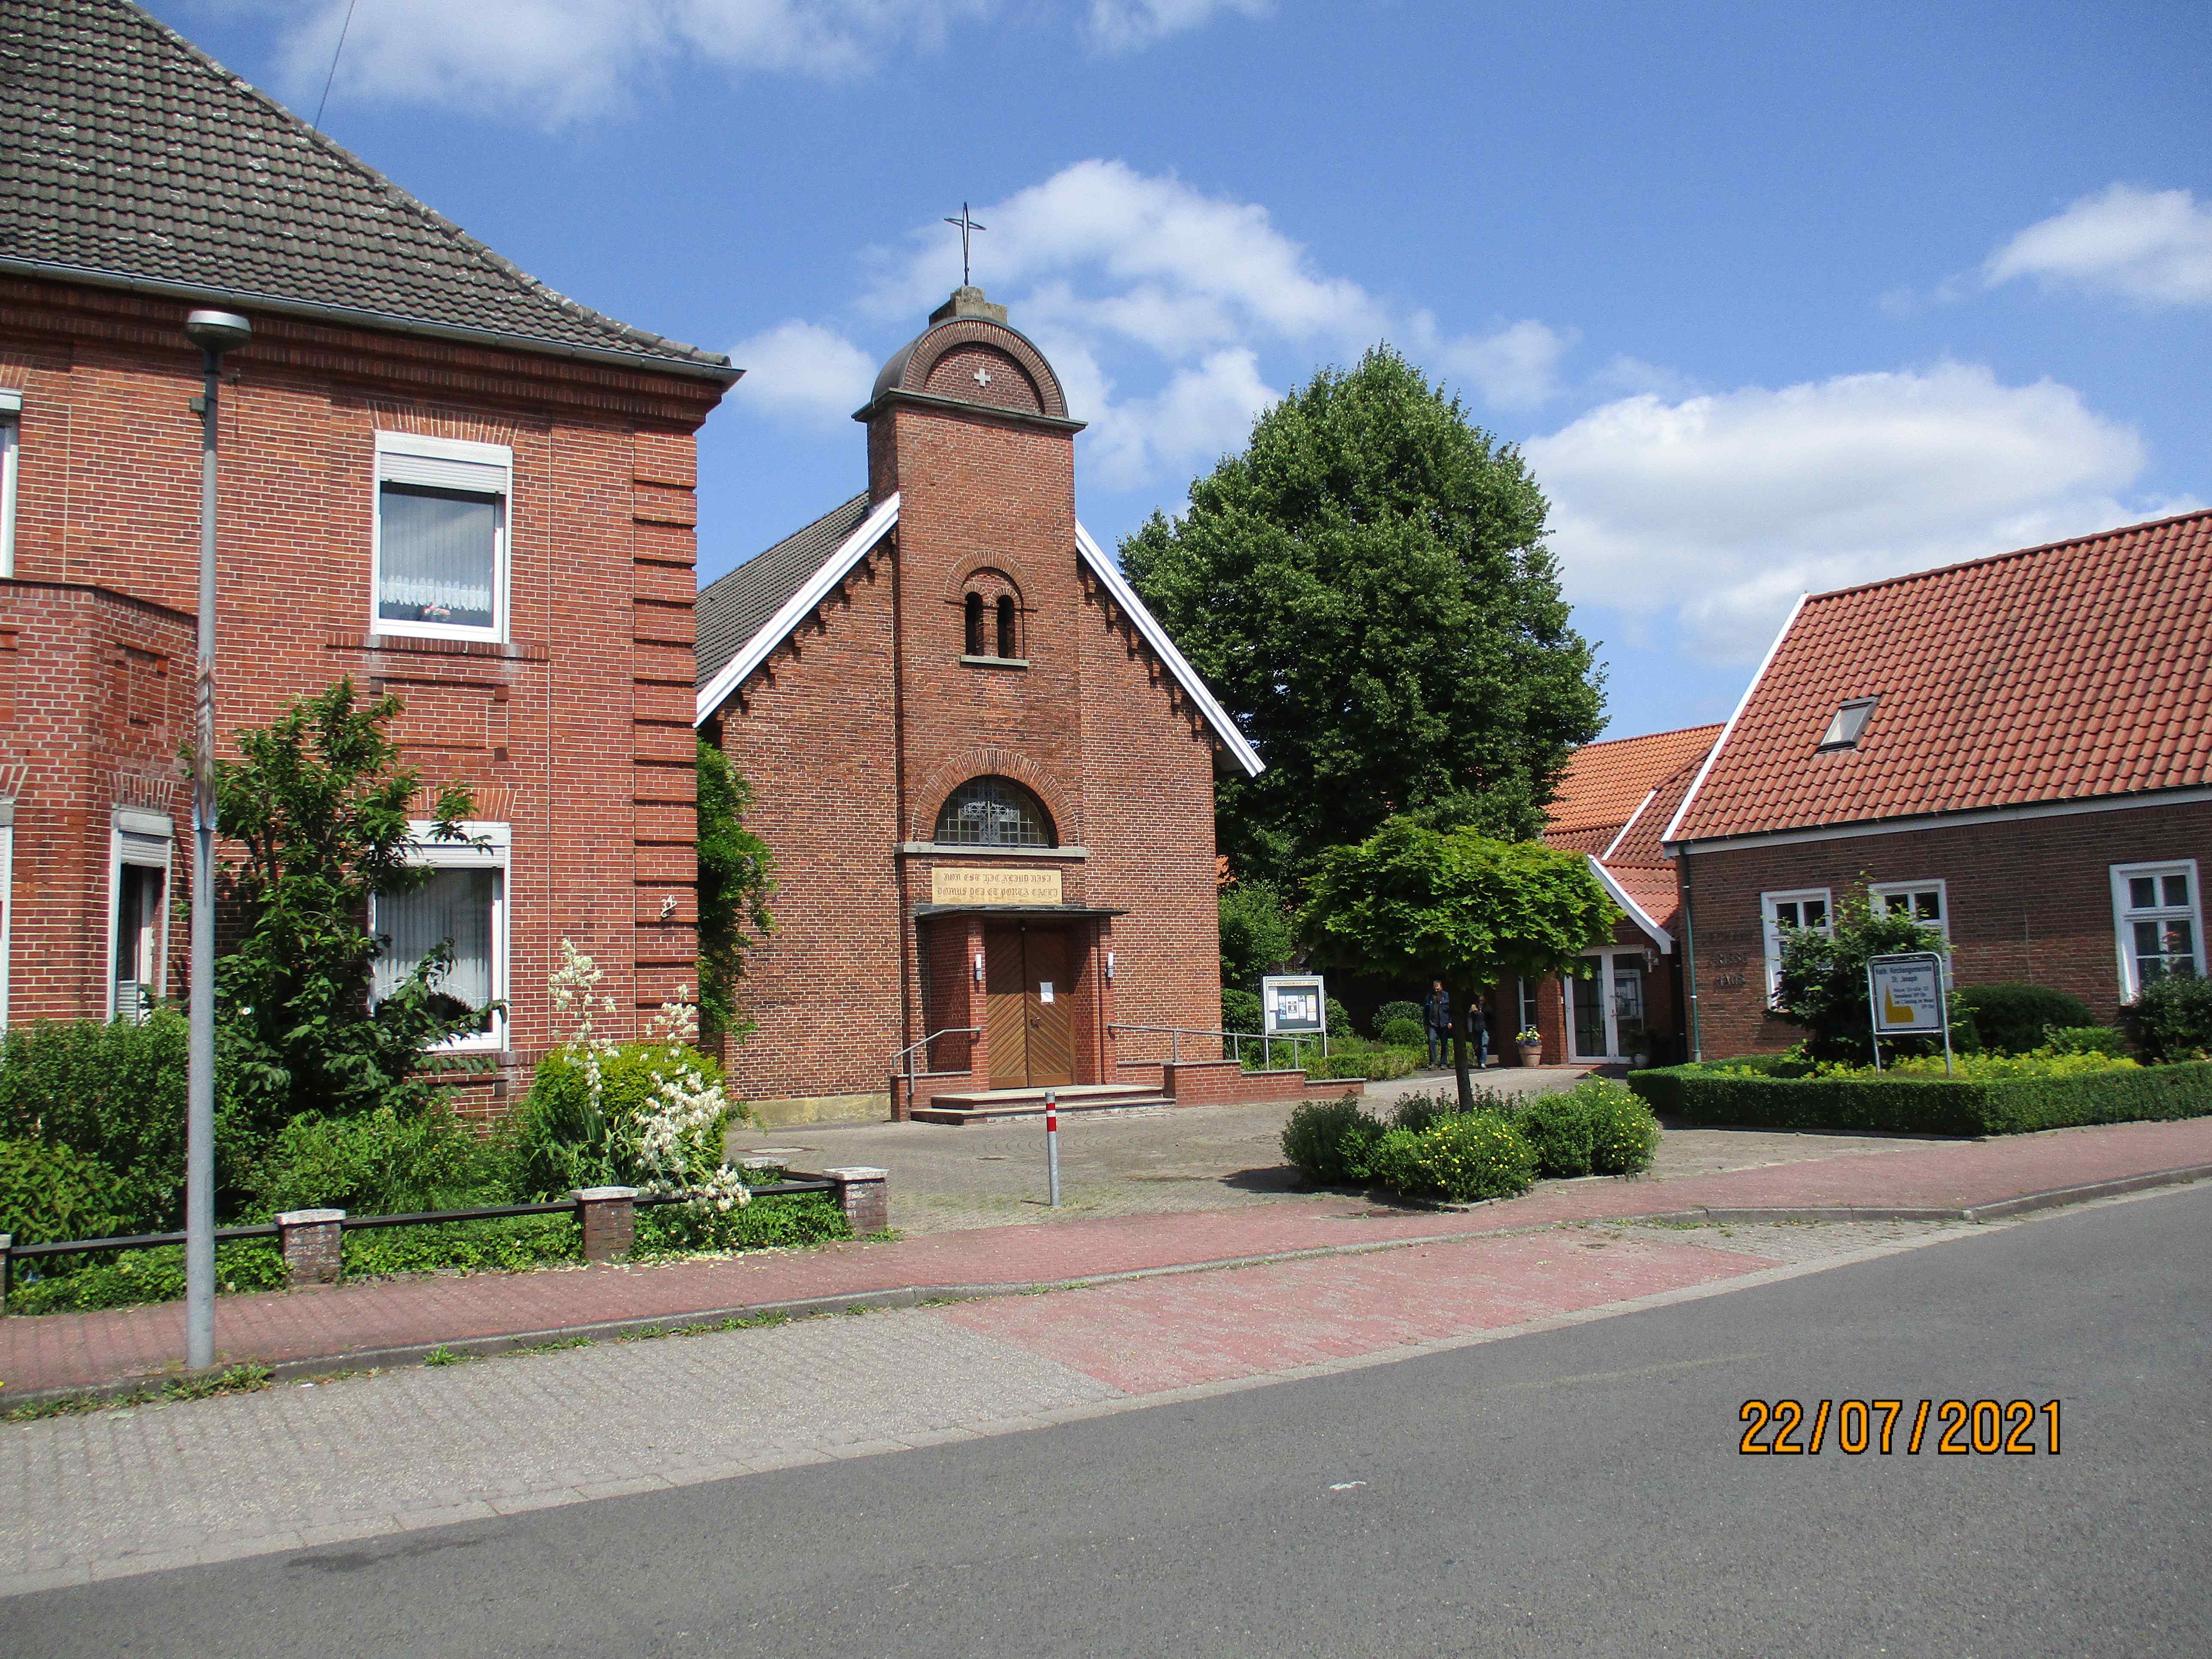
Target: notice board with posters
x,y
1293,1005
1906,990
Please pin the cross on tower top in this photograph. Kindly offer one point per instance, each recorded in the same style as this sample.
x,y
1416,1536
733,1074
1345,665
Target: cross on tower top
x,y
967,226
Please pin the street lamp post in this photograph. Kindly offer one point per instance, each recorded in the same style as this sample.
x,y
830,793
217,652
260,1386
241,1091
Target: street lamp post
x,y
214,332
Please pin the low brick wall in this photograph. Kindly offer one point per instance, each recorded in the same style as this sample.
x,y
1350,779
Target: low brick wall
x,y
1148,1073
1211,1082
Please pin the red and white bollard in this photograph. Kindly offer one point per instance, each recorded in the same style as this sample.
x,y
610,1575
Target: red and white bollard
x,y
1052,1143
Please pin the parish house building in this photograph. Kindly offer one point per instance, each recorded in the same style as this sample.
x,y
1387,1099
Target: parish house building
x,y
2017,751
438,477
984,773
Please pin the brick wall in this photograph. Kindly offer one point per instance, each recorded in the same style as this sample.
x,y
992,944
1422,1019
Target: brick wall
x,y
2029,900
576,731
855,732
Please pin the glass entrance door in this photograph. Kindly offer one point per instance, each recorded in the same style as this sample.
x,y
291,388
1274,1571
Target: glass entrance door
x,y
1605,1012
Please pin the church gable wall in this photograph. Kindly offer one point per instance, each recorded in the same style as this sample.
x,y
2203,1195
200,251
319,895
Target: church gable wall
x,y
815,734
1148,789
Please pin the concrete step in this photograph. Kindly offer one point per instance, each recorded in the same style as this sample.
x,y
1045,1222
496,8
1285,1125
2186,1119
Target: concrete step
x,y
994,1105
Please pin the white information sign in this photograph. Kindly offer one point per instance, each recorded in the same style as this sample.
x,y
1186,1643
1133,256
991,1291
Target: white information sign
x,y
1293,1005
1907,994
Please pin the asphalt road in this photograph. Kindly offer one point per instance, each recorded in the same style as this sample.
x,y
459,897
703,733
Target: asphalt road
x,y
1578,1491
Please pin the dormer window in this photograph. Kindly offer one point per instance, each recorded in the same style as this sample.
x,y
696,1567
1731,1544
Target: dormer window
x,y
1851,720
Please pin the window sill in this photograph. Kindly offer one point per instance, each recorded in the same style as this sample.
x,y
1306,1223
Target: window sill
x,y
996,662
435,645
945,849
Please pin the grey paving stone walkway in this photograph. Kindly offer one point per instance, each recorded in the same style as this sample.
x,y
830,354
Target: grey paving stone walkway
x,y
947,1178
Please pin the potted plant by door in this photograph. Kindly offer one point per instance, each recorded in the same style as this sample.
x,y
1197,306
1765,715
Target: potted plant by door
x,y
1531,1042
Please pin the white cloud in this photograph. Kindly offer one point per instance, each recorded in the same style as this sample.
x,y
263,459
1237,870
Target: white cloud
x,y
2153,247
1117,272
800,370
562,60
1516,368
1117,25
1721,509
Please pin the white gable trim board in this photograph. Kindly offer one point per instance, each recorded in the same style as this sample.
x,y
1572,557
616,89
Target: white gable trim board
x,y
1637,913
777,629
1712,754
878,524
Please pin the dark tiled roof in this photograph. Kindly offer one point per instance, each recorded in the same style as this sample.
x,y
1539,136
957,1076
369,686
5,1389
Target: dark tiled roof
x,y
734,608
130,154
2062,672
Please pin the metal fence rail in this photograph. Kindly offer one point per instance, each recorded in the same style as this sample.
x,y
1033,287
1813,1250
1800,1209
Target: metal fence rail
x,y
1234,1040
14,1253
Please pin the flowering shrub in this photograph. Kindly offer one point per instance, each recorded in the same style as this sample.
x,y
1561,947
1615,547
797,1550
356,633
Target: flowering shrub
x,y
2041,1062
1469,1156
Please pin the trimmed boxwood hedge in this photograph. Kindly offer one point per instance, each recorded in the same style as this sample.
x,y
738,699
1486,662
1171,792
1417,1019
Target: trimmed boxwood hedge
x,y
1921,1105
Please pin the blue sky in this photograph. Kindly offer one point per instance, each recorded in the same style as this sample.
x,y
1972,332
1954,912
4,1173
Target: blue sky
x,y
1772,298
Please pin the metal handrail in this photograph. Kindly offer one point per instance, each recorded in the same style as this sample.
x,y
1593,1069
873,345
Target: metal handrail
x,y
907,1053
1235,1039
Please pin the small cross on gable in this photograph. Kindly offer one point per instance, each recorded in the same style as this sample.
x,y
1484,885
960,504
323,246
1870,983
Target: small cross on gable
x,y
982,377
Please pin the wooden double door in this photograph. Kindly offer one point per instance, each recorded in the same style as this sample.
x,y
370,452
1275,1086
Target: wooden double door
x,y
1030,1006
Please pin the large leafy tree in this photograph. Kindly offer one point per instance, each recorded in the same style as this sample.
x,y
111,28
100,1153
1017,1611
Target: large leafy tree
x,y
1413,903
1367,589
1258,933
319,803
733,887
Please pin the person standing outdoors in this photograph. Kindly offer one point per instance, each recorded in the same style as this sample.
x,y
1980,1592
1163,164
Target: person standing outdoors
x,y
1437,1015
1477,1033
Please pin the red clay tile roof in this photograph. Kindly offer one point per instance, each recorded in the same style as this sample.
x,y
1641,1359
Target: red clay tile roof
x,y
1605,782
2060,672
1638,842
1654,890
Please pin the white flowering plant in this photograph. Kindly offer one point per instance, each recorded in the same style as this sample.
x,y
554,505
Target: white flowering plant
x,y
649,1115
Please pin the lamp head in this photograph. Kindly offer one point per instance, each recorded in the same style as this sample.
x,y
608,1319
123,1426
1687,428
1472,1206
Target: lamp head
x,y
217,331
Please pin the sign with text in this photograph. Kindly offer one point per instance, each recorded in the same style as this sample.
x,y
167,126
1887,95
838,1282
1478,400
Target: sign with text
x,y
1907,992
967,885
1293,1005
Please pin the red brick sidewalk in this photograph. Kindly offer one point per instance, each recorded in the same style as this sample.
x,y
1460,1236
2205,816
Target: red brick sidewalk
x,y
66,1351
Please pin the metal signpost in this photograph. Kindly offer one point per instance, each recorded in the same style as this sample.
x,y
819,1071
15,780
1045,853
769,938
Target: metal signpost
x,y
1294,1006
1909,993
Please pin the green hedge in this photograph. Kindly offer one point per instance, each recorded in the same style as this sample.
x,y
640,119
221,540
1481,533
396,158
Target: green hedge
x,y
1919,1105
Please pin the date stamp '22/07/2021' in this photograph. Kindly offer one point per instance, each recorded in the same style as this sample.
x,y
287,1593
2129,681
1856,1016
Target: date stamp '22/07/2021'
x,y
2016,1428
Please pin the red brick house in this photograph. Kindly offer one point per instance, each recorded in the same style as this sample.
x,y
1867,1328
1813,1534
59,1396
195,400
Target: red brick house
x,y
985,772
2017,750
438,477
1612,800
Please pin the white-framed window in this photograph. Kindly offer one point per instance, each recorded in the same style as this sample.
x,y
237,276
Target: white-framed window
x,y
463,902
1606,1012
11,415
1924,902
142,847
1528,1005
442,510
1781,913
2158,917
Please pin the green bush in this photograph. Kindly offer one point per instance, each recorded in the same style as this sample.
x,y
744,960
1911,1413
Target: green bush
x,y
1240,1009
1398,1160
379,1163
1918,1104
1352,1057
1402,1033
782,1221
2171,1018
1314,1139
1560,1131
114,1092
1471,1156
2087,1040
128,1279
1624,1133
560,1144
508,1244
1418,1112
2011,1018
1390,1011
50,1194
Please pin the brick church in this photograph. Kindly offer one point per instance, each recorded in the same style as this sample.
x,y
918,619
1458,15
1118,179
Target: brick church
x,y
984,771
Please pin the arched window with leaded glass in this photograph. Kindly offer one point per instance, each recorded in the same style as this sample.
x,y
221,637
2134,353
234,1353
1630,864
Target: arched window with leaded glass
x,y
994,812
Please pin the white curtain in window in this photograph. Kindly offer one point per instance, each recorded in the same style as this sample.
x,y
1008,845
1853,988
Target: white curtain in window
x,y
456,905
439,553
